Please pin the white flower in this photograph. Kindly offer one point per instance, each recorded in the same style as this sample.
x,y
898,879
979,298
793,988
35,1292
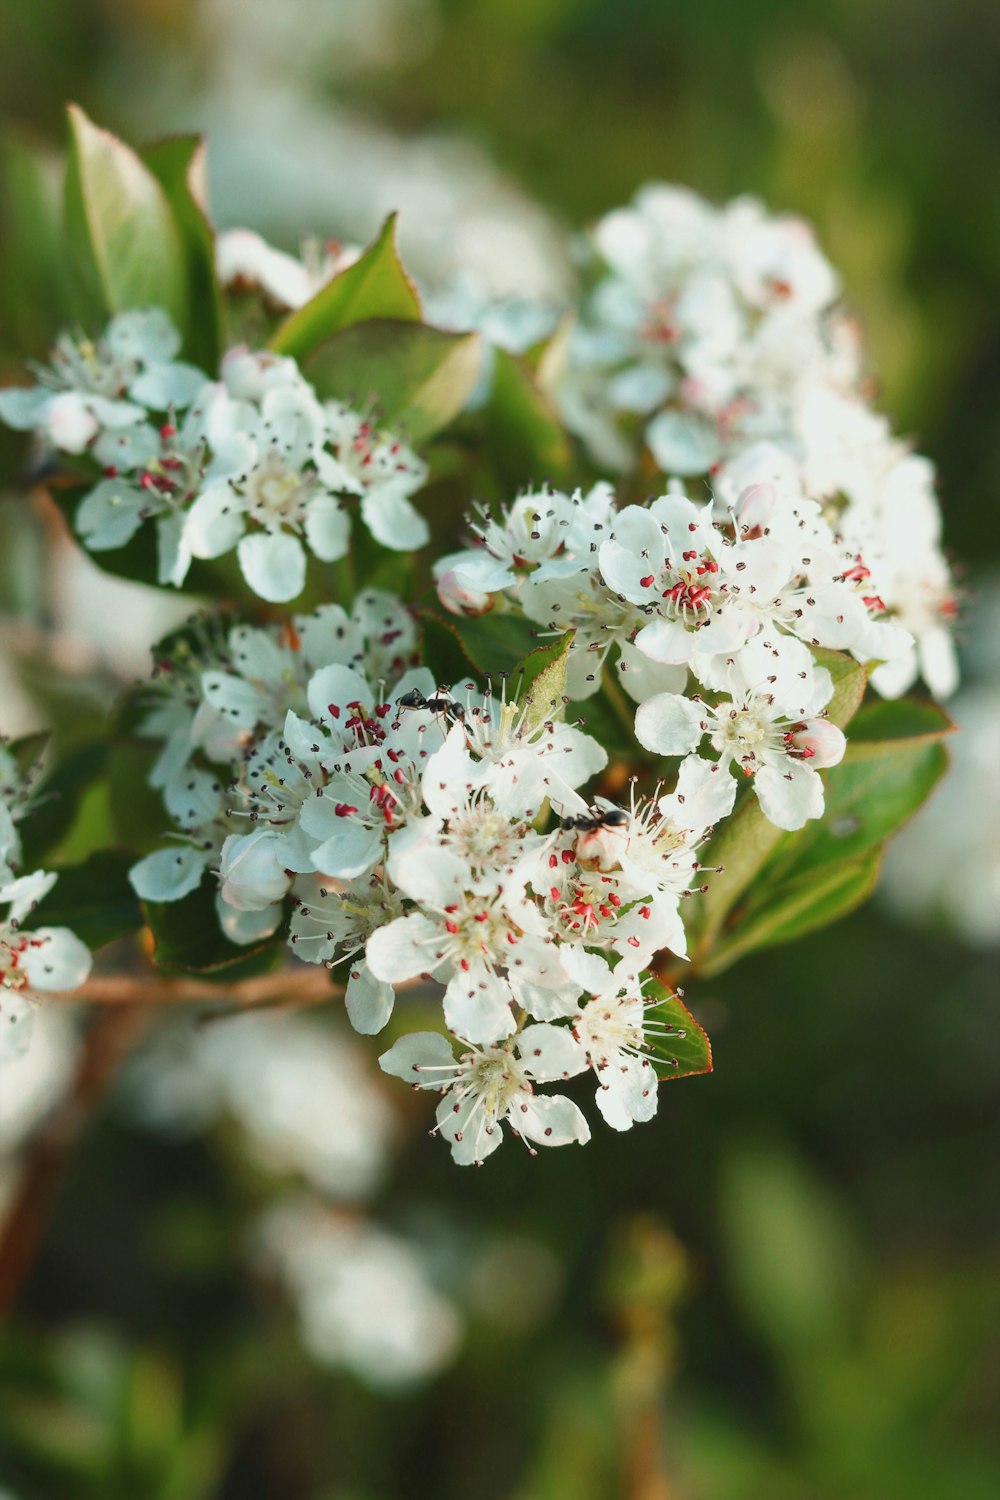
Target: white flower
x,y
755,732
244,261
108,383
45,960
483,1088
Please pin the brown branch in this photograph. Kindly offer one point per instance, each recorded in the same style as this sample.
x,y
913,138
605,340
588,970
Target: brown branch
x,y
311,986
111,1034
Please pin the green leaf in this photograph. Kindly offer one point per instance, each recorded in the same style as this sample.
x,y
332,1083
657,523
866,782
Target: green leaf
x,y
121,232
897,725
849,682
498,643
443,648
375,286
541,678
524,440
33,293
94,899
58,800
187,937
418,378
798,906
681,1049
179,165
867,799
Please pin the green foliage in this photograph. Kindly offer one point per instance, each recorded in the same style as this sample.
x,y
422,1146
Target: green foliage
x,y
417,379
122,237
94,899
58,800
179,165
681,1049
524,441
375,286
187,938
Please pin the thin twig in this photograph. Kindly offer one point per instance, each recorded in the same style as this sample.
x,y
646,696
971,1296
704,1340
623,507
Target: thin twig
x,y
311,986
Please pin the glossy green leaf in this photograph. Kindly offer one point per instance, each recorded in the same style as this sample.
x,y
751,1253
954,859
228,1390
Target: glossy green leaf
x,y
867,800
524,440
187,937
416,379
94,899
443,648
58,799
681,1048
498,643
121,232
901,724
33,294
796,907
375,286
540,679
179,165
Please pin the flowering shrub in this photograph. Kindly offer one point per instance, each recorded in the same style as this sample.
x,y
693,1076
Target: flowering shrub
x,y
635,715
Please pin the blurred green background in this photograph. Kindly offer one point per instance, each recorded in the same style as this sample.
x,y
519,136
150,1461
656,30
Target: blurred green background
x,y
786,1285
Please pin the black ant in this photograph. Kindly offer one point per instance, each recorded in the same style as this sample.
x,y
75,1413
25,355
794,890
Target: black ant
x,y
611,817
436,705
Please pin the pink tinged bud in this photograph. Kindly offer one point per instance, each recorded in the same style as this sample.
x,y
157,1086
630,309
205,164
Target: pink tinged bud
x,y
460,600
816,741
755,509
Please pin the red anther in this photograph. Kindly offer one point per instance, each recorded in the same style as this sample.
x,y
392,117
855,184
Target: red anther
x,y
111,472
567,856
399,777
645,912
481,916
633,942
147,482
464,965
615,900
555,893
873,601
689,556
167,431
333,709
646,582
857,574
553,862
605,911
451,927
344,809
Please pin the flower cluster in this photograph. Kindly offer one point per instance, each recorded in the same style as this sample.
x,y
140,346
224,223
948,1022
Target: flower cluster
x,y
407,829
252,462
716,334
32,959
668,595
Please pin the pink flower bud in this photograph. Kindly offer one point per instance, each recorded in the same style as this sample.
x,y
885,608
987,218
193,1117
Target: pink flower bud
x,y
459,599
817,742
755,509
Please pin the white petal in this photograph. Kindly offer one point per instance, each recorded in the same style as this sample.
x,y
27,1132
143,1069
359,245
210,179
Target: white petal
x,y
251,870
551,1052
669,724
17,1022
369,1000
328,528
274,565
404,948
789,796
477,1007
215,522
169,874
244,927
337,685
549,1120
393,520
109,515
55,959
411,1054
352,850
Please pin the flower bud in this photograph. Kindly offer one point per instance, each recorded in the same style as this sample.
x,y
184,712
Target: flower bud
x,y
755,509
817,742
459,599
251,872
